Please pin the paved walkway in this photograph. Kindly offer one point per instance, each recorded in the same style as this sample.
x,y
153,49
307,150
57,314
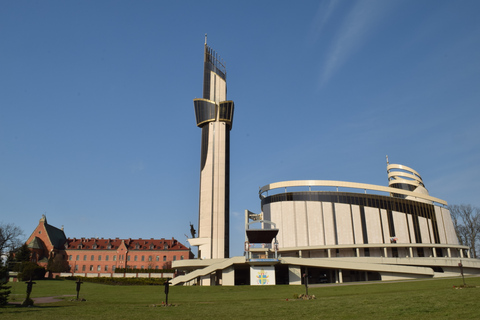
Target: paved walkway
x,y
45,299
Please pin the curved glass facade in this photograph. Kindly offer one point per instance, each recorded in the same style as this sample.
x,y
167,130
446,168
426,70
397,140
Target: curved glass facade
x,y
205,111
225,112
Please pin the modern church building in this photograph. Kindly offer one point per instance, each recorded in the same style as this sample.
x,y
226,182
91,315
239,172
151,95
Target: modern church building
x,y
323,231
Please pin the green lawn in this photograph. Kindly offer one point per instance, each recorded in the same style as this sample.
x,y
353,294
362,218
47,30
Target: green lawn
x,y
401,300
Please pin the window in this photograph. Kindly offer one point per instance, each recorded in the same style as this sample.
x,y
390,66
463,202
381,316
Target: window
x,y
106,258
78,257
106,268
70,257
135,258
91,268
141,267
114,258
158,258
83,267
76,267
134,267
113,268
149,258
143,258
99,268
128,258
181,258
99,258
152,246
92,257
174,258
156,267
137,246
164,258
165,246
84,257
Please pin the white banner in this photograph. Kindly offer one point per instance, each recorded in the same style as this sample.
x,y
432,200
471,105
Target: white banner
x,y
262,275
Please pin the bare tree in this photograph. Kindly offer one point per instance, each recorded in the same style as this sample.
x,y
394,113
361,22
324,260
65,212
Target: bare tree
x,y
466,220
10,237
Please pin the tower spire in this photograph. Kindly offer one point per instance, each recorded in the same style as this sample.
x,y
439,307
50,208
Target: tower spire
x,y
205,39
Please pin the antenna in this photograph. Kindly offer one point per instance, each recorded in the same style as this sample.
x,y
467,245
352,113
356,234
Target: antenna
x,y
205,38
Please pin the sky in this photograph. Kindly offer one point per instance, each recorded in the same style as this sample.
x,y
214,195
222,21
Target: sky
x,y
97,126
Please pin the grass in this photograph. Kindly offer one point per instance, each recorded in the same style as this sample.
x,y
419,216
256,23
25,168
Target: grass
x,y
398,300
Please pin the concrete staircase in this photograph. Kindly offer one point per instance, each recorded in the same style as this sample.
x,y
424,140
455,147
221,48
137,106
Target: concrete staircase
x,y
207,270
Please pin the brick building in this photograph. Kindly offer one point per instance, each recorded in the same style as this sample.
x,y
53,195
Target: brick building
x,y
93,255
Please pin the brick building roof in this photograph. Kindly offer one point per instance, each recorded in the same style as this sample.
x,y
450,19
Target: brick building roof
x,y
131,244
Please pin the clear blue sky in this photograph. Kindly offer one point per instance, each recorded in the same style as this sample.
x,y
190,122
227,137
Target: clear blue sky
x,y
97,127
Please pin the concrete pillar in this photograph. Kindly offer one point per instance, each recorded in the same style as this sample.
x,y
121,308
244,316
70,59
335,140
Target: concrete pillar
x,y
294,275
357,251
449,252
468,253
461,253
329,253
228,276
410,250
340,276
366,275
385,252
434,250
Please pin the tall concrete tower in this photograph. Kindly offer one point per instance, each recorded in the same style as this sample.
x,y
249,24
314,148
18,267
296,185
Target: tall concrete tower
x,y
214,115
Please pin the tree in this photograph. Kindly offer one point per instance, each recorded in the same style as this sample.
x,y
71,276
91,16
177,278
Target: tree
x,y
466,220
4,289
10,236
23,253
57,264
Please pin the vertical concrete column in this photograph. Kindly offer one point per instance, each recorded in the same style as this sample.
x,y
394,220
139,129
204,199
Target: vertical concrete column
x,y
385,252
461,253
340,276
449,252
410,250
357,251
228,276
366,275
434,250
294,275
329,253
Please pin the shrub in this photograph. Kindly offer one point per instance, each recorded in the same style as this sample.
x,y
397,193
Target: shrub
x,y
122,281
30,270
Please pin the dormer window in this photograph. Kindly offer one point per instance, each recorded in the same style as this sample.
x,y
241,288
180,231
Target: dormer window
x,y
165,246
109,246
94,246
137,246
152,246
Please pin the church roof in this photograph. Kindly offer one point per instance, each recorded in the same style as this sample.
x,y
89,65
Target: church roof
x,y
36,244
57,236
